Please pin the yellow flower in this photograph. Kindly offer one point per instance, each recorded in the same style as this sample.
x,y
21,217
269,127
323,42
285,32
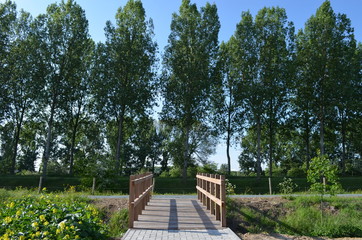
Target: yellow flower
x,y
54,210
37,234
21,238
61,225
45,233
66,236
5,237
18,213
77,237
58,231
42,218
35,224
80,222
8,220
46,223
11,205
72,227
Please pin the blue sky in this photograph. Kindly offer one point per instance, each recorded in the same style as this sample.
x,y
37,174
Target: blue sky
x,y
298,11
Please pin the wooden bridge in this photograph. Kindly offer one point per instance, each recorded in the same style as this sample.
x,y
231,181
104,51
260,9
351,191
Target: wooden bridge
x,y
208,212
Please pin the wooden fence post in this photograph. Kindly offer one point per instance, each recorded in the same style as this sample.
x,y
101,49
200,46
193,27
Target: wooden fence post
x,y
223,200
218,208
130,202
40,184
270,187
212,193
94,185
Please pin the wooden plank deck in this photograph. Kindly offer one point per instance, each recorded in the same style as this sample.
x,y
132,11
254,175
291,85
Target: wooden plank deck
x,y
176,214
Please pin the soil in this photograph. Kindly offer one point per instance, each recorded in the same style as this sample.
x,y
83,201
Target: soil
x,y
271,206
110,205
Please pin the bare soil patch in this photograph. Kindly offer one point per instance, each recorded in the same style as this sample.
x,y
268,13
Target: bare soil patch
x,y
110,205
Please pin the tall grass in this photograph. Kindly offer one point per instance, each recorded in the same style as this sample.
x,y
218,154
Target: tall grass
x,y
333,217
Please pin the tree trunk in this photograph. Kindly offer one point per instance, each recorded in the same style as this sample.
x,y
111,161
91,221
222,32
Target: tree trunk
x,y
228,142
271,139
307,140
258,160
120,142
16,140
186,152
72,150
343,162
49,137
321,131
164,162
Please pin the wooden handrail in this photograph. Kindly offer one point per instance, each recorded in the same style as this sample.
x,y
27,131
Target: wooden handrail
x,y
212,193
140,191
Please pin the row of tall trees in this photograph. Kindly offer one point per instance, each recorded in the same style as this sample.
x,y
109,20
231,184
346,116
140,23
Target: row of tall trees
x,y
85,108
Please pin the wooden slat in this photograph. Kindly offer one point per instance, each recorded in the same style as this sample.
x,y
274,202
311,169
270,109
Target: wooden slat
x,y
213,180
144,194
213,198
142,179
183,214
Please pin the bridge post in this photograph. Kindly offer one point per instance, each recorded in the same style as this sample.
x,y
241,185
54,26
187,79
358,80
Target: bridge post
x,y
223,200
131,202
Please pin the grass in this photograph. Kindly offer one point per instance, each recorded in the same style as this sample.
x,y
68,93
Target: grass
x,y
309,216
118,224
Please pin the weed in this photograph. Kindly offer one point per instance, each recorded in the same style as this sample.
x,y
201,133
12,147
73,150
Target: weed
x,y
118,224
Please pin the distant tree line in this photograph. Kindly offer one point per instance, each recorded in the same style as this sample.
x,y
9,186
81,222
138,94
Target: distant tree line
x,y
86,108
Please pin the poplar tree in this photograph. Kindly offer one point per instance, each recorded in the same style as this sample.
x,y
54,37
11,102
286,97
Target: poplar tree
x,y
62,33
124,79
189,69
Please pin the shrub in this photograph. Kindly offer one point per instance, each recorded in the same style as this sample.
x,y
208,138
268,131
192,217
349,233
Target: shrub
x,y
118,224
321,167
287,186
175,172
49,217
296,172
192,171
165,174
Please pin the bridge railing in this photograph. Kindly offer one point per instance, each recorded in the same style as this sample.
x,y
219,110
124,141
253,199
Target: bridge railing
x,y
140,190
212,193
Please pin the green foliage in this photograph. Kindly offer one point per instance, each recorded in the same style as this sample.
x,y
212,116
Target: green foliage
x,y
118,224
164,174
341,217
230,188
50,217
296,172
321,167
210,168
287,186
175,172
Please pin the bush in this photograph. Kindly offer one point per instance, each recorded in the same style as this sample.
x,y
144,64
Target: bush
x,y
296,172
49,217
287,186
165,174
192,171
118,224
175,172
